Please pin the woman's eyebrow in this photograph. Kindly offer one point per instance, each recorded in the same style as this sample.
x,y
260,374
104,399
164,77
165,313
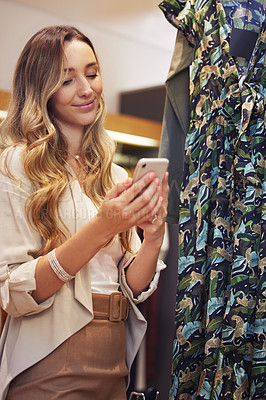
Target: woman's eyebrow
x,y
87,66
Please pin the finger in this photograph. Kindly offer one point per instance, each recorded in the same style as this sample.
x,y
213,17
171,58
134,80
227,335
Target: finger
x,y
144,204
155,214
147,195
158,212
137,187
118,189
142,209
153,206
165,186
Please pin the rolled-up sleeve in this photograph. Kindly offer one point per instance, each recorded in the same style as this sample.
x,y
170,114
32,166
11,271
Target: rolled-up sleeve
x,y
124,264
18,240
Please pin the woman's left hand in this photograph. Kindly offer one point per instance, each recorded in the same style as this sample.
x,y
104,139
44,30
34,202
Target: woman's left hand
x,y
141,271
153,229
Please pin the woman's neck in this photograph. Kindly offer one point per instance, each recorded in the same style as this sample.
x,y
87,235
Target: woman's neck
x,y
74,145
74,137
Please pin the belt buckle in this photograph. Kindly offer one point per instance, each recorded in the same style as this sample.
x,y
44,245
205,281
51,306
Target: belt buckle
x,y
137,396
112,304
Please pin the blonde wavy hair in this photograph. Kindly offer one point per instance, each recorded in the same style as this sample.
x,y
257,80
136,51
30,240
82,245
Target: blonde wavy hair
x,y
39,74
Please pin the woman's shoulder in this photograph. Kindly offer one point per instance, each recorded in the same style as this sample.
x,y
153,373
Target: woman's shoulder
x,y
119,173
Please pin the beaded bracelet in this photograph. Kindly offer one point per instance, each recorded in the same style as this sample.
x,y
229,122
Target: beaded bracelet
x,y
56,267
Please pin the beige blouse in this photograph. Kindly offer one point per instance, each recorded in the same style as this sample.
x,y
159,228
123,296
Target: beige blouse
x,y
33,330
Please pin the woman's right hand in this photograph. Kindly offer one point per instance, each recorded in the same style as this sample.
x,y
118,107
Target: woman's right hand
x,y
130,204
124,206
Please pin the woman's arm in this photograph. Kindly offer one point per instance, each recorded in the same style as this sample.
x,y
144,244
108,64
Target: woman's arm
x,y
125,206
141,271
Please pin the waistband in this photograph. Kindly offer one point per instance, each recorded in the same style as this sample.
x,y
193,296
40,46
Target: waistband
x,y
114,307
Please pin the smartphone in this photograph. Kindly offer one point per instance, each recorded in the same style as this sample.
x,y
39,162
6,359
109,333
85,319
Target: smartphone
x,y
157,165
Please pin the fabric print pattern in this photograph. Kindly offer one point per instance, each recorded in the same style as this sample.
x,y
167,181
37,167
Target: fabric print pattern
x,y
220,343
243,14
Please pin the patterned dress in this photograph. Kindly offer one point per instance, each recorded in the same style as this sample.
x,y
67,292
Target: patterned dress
x,y
220,323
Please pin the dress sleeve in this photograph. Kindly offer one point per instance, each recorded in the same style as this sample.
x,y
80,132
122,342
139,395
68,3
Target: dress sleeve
x,y
126,261
17,242
181,14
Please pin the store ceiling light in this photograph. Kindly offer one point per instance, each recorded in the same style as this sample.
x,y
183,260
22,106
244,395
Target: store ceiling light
x,y
3,114
135,140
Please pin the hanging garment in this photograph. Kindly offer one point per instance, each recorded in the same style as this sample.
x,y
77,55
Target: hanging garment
x,y
176,121
220,343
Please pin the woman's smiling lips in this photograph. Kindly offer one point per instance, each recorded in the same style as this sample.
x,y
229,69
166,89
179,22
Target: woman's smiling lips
x,y
85,106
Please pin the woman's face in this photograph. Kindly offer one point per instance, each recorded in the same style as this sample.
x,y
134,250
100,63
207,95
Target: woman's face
x,y
75,104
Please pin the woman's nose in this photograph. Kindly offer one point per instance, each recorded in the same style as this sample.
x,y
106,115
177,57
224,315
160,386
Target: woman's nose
x,y
84,88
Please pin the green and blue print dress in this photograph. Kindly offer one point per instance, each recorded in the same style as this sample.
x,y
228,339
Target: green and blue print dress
x,y
220,322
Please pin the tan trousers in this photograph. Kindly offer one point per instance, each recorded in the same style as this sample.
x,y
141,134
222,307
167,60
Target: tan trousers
x,y
89,365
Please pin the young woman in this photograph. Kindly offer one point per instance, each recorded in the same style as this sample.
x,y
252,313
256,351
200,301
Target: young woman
x,y
72,267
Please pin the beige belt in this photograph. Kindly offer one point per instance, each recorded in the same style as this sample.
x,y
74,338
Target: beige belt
x,y
114,307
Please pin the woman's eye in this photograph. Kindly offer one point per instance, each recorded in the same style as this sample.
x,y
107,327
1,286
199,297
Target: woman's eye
x,y
67,82
91,76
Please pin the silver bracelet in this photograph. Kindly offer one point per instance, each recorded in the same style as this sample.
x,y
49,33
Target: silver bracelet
x,y
56,267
